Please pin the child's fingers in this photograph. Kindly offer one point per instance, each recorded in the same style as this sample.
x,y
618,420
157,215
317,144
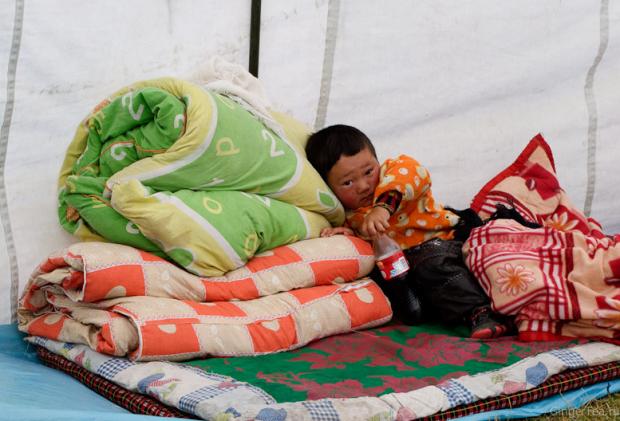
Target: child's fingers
x,y
329,232
376,227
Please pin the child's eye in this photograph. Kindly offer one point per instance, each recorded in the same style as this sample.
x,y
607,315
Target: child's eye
x,y
369,171
347,183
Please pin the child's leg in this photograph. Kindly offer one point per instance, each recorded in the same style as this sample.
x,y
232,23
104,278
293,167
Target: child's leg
x,y
405,302
448,290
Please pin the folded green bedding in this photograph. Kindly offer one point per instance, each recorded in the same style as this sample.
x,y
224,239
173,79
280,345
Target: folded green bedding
x,y
191,175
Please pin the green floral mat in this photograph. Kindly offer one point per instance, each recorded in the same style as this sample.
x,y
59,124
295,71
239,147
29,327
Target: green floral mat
x,y
391,358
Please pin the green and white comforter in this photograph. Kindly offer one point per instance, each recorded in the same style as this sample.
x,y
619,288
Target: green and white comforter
x,y
191,175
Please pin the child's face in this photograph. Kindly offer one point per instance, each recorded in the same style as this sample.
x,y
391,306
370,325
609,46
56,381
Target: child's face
x,y
354,179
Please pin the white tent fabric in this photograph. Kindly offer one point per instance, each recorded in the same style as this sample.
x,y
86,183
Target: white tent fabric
x,y
461,86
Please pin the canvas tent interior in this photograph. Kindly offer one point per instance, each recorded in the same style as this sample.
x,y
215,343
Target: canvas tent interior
x,y
460,86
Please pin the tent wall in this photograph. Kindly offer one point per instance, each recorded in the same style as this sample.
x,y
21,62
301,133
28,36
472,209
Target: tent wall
x,y
462,86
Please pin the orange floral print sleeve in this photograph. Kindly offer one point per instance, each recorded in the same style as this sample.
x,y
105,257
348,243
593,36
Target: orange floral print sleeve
x,y
419,217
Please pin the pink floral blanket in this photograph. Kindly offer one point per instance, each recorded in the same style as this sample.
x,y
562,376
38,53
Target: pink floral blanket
x,y
560,280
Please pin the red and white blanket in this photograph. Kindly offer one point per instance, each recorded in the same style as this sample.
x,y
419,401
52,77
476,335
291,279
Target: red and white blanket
x,y
122,301
560,280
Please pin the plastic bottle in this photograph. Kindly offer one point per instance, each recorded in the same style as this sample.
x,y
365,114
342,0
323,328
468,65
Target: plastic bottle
x,y
390,258
394,269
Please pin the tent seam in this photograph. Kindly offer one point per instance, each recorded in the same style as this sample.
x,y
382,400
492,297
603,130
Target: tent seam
x,y
4,140
331,34
592,109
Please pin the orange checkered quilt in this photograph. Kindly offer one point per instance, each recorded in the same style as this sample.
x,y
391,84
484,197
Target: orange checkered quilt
x,y
125,302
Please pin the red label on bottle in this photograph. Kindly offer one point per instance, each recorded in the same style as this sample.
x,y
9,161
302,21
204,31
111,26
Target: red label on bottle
x,y
393,265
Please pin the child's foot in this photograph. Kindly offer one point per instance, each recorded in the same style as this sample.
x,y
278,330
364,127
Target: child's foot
x,y
484,326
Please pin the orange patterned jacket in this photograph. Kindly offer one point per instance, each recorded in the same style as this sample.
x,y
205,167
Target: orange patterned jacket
x,y
418,218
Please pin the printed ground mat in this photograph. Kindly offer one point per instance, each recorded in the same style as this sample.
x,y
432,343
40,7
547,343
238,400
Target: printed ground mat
x,y
451,376
141,404
392,358
133,402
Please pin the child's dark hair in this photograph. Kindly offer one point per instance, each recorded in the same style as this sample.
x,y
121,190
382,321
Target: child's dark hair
x,y
325,147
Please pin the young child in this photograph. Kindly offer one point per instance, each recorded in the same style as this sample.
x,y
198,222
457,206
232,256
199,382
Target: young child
x,y
395,198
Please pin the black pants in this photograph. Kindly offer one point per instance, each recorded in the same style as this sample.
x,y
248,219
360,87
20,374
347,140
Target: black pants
x,y
438,276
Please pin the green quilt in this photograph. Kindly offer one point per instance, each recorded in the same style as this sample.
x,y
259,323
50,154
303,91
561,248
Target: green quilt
x,y
392,358
191,175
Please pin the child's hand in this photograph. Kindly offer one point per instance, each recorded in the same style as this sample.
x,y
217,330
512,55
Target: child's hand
x,y
328,232
375,222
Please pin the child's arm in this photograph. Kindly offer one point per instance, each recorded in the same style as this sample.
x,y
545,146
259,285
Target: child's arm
x,y
377,220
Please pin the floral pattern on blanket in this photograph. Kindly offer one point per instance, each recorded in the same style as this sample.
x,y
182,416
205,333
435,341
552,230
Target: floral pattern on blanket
x,y
560,280
392,358
214,396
